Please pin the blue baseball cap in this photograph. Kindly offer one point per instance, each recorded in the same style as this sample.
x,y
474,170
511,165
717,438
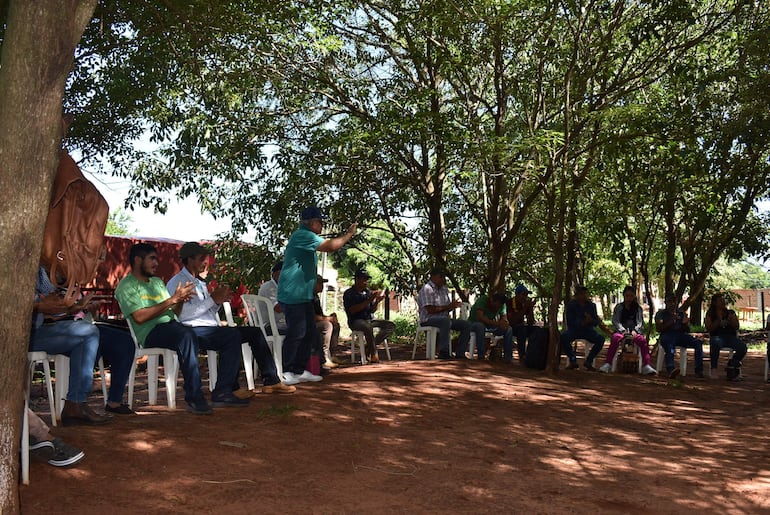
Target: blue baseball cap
x,y
311,213
520,288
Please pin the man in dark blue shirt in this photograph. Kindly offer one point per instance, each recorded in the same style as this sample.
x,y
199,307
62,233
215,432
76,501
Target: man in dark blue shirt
x,y
582,321
360,304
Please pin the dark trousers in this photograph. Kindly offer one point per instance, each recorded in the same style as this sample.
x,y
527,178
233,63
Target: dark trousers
x,y
569,336
730,340
301,335
261,351
227,342
117,347
522,332
173,335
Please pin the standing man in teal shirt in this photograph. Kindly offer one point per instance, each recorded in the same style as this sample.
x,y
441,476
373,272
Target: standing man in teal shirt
x,y
296,289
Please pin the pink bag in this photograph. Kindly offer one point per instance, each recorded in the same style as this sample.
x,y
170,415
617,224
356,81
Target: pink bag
x,y
314,365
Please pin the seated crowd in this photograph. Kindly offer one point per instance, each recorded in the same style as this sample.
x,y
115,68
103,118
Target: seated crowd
x,y
183,316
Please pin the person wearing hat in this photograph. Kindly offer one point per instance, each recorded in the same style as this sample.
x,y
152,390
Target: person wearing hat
x,y
360,305
673,325
295,291
328,325
521,317
269,290
200,312
435,306
582,321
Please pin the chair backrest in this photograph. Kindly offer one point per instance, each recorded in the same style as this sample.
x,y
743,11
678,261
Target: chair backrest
x,y
250,303
133,334
228,309
260,312
465,310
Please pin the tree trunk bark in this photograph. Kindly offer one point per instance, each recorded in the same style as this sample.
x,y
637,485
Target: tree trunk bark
x,y
37,54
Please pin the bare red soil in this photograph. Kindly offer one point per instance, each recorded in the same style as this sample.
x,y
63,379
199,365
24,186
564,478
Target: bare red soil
x,y
431,437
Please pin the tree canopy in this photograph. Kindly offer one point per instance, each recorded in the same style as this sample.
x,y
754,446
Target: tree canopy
x,y
508,141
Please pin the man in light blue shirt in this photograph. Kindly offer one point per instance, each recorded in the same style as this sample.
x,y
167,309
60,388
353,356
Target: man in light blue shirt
x,y
200,313
296,288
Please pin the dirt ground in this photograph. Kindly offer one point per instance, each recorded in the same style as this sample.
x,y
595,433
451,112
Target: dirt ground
x,y
432,436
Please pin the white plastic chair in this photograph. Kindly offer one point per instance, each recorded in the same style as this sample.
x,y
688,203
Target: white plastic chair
x,y
248,358
255,317
682,358
358,338
730,350
249,365
62,368
170,366
33,358
431,340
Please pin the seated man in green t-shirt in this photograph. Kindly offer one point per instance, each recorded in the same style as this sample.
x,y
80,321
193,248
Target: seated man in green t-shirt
x,y
153,313
488,316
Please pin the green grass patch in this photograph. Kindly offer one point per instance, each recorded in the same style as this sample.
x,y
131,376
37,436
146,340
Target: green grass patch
x,y
277,411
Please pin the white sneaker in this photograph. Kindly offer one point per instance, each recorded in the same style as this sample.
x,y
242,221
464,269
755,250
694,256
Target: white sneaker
x,y
649,371
307,377
290,378
605,369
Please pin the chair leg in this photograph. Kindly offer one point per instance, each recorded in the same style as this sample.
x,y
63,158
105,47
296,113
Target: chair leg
x,y
248,364
171,370
212,359
683,361
387,349
152,379
62,365
104,379
25,442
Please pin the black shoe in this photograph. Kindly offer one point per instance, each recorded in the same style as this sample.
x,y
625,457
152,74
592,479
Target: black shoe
x,y
41,450
65,455
200,407
123,409
444,355
673,374
573,366
228,400
733,373
589,368
699,375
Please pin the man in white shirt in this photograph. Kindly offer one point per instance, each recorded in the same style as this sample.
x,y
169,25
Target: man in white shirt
x,y
435,307
200,314
269,290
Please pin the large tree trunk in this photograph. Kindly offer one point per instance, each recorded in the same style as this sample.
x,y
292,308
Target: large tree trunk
x,y
37,54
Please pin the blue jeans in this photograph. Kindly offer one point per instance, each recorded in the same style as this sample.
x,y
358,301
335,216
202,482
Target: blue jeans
x,y
261,351
227,342
480,331
175,336
117,347
726,340
569,336
80,341
445,325
670,340
301,335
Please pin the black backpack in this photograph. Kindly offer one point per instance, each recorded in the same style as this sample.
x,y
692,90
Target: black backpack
x,y
537,348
